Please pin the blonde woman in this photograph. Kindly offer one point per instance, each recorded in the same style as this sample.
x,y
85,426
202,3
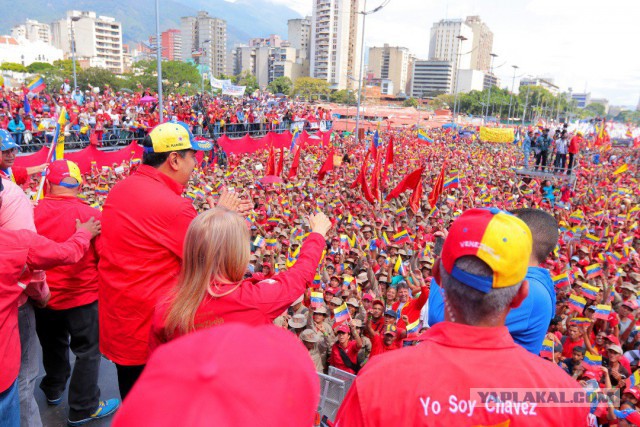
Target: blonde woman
x,y
211,290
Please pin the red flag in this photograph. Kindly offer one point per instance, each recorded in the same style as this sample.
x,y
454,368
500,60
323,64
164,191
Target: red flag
x,y
437,188
375,180
362,173
271,163
368,195
388,161
293,171
326,166
409,182
416,198
280,162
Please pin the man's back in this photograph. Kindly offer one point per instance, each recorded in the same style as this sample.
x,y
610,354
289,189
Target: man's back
x,y
144,224
431,384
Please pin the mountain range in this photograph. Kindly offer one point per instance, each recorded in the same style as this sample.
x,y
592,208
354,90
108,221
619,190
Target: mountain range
x,y
245,18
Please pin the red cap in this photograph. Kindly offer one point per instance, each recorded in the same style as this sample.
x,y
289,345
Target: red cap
x,y
342,327
61,169
212,388
633,391
380,302
613,339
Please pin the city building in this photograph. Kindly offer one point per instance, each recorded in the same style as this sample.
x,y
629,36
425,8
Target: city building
x,y
98,39
614,110
335,42
204,40
469,80
582,99
171,42
544,82
392,64
267,63
25,52
602,101
482,44
430,78
638,106
273,40
284,63
444,44
33,31
299,35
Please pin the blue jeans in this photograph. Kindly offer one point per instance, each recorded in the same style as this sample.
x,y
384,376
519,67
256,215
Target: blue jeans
x,y
10,406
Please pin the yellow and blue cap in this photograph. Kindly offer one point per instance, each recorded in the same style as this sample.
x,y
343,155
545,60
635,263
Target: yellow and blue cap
x,y
176,136
61,169
498,238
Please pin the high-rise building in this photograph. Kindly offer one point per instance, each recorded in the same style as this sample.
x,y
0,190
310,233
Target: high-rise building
x,y
482,44
431,78
171,43
98,39
335,42
299,35
273,40
392,63
582,99
267,63
444,44
204,39
33,31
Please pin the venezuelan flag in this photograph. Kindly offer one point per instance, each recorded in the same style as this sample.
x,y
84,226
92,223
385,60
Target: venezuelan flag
x,y
413,327
576,217
317,280
401,236
385,238
602,311
592,359
347,280
580,321
589,291
271,243
274,221
259,240
398,267
341,313
577,303
422,135
590,238
593,270
547,349
453,182
621,169
634,380
401,211
37,85
317,299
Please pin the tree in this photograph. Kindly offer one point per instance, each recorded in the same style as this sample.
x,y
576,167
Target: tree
x,y
39,67
281,85
308,87
12,66
597,109
343,96
410,102
249,80
443,101
98,77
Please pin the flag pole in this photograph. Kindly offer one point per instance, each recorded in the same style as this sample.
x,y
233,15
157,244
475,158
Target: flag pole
x,y
56,136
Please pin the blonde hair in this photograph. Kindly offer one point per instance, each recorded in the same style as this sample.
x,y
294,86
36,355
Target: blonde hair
x,y
216,250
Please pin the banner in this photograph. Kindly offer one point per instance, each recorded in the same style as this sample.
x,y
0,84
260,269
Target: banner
x,y
219,84
325,125
297,126
503,135
232,90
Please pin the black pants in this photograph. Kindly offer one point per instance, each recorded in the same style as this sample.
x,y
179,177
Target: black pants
x,y
75,329
127,377
561,160
541,160
571,156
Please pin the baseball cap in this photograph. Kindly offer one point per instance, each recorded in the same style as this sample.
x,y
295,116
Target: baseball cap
x,y
212,388
169,137
616,348
391,330
6,141
342,327
391,313
61,169
498,238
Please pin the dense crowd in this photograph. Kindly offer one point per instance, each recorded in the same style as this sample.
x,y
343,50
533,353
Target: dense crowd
x,y
359,282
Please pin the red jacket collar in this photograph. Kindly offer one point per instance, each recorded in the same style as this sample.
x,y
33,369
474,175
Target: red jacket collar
x,y
155,174
457,335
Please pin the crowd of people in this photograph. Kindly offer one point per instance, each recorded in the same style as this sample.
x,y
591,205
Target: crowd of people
x,y
338,248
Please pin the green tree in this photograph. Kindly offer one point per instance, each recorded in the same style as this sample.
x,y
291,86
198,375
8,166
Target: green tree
x,y
281,85
343,96
39,67
249,80
97,77
442,101
12,66
410,102
596,109
309,88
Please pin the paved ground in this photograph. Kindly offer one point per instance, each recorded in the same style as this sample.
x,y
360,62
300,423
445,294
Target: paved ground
x,y
56,416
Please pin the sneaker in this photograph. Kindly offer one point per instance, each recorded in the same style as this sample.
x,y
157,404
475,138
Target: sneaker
x,y
54,402
105,408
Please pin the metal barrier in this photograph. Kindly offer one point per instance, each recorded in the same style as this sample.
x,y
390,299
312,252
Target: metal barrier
x,y
333,389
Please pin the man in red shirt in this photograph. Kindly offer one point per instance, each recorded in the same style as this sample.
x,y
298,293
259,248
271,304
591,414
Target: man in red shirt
x,y
344,353
482,272
145,221
72,310
381,344
574,148
24,251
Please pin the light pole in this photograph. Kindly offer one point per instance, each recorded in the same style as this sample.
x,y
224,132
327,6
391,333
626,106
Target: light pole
x,y
159,63
513,82
493,56
364,14
460,38
73,53
526,102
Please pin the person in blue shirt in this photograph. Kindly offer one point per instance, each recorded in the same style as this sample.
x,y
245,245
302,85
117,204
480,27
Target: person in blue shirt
x,y
526,148
529,322
16,127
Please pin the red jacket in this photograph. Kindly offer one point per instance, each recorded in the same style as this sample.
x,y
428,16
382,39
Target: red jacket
x,y
256,302
17,174
352,350
72,285
462,358
144,222
378,346
22,249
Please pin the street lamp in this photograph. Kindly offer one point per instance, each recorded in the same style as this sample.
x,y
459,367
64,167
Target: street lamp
x,y
364,14
159,63
493,56
460,38
73,53
515,67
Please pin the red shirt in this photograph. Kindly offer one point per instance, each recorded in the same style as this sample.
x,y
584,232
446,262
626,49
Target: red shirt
x,y
352,350
255,301
17,174
144,222
464,357
378,346
72,285
22,249
568,346
412,308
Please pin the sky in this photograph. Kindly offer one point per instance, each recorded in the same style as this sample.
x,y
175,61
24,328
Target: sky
x,y
579,43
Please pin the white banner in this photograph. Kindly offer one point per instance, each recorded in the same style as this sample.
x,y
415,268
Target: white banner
x,y
229,89
326,125
219,84
299,126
